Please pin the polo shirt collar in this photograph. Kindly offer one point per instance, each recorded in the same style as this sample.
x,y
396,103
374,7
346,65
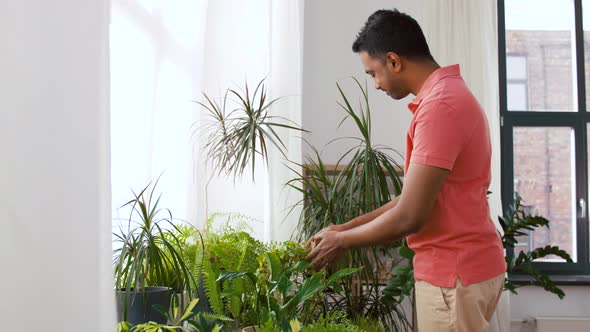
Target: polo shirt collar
x,y
431,81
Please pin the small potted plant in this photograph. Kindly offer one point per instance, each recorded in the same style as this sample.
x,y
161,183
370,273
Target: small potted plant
x,y
146,256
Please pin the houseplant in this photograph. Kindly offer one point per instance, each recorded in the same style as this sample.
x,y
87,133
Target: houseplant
x,y
186,320
516,222
147,258
280,295
230,249
368,180
234,139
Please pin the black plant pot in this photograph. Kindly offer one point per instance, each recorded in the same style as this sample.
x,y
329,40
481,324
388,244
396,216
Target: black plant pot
x,y
140,305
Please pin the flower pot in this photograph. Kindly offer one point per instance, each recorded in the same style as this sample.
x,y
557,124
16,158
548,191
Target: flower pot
x,y
140,305
251,329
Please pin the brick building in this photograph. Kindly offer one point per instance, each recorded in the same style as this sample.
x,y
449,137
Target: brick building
x,y
541,77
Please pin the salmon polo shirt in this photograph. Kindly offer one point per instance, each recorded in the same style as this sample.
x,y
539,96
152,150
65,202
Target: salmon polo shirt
x,y
449,130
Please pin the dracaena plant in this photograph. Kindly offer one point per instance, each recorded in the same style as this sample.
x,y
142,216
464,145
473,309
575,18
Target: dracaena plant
x,y
148,252
369,179
241,128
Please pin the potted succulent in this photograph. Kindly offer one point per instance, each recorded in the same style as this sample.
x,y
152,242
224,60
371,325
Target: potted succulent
x,y
147,261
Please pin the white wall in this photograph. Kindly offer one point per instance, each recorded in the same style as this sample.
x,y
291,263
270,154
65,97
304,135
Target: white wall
x,y
535,302
54,175
330,29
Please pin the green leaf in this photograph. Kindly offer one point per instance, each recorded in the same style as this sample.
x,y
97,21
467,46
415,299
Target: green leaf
x,y
124,327
338,275
406,253
189,310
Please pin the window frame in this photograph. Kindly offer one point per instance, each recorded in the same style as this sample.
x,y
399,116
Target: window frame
x,y
564,273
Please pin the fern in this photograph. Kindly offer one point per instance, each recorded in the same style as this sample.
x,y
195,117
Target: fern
x,y
212,289
368,325
231,250
333,322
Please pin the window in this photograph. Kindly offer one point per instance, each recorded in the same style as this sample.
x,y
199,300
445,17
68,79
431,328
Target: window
x,y
516,82
154,75
545,122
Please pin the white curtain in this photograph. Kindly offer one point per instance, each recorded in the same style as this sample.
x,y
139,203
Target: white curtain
x,y
156,49
263,39
286,81
465,32
164,54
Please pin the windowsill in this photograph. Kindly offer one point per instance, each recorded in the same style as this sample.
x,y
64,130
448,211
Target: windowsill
x,y
560,280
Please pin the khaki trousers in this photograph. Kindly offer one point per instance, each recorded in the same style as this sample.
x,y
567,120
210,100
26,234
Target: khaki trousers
x,y
459,309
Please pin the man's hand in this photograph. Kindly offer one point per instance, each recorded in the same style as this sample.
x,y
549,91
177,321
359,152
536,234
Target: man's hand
x,y
310,244
328,249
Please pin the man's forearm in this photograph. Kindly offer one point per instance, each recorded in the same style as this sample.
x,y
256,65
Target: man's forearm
x,y
367,217
388,227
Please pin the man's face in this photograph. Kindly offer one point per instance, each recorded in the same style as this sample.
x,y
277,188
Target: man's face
x,y
386,72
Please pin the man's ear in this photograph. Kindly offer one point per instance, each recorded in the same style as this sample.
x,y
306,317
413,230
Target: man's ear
x,y
393,61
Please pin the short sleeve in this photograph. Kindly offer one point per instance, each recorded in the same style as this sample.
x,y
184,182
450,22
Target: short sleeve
x,y
439,135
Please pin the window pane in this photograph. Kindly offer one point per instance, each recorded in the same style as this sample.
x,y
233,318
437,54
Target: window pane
x,y
517,97
544,178
516,67
543,32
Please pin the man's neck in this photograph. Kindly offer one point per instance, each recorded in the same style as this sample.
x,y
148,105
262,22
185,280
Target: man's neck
x,y
422,71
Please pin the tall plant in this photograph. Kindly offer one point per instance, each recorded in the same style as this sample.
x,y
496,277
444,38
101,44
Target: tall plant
x,y
148,254
367,181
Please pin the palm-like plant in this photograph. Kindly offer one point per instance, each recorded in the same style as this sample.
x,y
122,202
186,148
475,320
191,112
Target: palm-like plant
x,y
369,180
148,254
235,138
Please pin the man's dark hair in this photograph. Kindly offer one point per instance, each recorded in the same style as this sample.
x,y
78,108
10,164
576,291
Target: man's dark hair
x,y
392,31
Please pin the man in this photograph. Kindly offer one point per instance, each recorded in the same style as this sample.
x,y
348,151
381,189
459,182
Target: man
x,y
442,210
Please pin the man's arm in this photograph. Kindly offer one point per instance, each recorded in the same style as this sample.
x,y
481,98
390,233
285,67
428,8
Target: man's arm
x,y
421,187
367,217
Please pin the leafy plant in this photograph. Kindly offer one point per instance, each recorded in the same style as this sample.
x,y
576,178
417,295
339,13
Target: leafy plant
x,y
368,325
280,294
230,250
183,321
270,326
148,254
518,223
367,181
401,285
188,242
330,322
333,322
236,137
